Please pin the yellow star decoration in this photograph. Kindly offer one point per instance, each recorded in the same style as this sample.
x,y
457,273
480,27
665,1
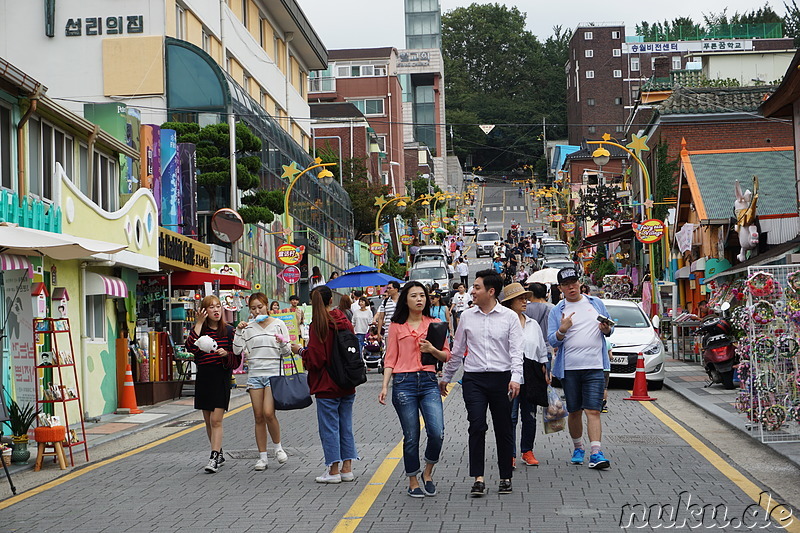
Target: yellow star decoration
x,y
317,161
638,145
648,203
380,200
290,170
606,137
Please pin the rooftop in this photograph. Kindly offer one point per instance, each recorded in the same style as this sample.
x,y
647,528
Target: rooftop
x,y
701,100
347,54
335,110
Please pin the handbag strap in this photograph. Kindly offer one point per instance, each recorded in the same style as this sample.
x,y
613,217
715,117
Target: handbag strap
x,y
294,365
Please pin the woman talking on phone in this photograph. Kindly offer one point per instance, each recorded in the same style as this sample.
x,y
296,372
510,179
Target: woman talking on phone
x,y
213,381
415,386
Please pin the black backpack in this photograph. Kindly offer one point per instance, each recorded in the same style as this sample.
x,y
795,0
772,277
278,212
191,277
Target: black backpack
x,y
346,368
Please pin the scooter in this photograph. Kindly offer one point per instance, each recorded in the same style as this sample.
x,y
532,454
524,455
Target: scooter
x,y
719,351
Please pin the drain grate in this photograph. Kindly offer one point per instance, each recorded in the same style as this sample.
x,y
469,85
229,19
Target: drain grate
x,y
639,440
183,424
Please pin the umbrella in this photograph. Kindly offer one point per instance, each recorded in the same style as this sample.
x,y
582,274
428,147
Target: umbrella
x,y
545,275
17,240
361,276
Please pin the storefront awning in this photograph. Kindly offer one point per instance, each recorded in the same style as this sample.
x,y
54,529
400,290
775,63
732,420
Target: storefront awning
x,y
197,279
624,232
108,285
15,262
18,240
776,253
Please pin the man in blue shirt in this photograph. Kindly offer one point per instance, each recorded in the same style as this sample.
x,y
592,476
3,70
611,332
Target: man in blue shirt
x,y
577,328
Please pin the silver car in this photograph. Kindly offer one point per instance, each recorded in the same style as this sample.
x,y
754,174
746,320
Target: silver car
x,y
634,333
430,272
484,243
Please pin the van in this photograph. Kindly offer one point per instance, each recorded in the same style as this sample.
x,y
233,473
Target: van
x,y
430,272
484,243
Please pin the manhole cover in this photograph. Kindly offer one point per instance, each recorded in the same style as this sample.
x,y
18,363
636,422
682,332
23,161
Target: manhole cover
x,y
642,440
183,423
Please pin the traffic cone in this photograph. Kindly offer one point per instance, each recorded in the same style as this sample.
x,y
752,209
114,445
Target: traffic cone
x,y
640,383
127,402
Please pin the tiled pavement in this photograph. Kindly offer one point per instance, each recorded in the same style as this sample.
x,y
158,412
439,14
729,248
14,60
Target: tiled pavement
x,y
164,489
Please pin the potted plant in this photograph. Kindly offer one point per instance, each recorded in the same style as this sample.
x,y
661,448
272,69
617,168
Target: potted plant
x,y
20,419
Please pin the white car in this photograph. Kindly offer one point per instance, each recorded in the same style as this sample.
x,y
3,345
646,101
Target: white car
x,y
634,333
469,228
428,272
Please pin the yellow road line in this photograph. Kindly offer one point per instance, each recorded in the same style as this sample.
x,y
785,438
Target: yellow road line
x,y
77,473
352,518
739,479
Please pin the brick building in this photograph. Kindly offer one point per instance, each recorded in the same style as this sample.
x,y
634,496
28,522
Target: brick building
x,y
339,127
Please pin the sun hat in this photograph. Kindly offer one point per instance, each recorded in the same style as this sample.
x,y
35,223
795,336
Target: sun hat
x,y
514,290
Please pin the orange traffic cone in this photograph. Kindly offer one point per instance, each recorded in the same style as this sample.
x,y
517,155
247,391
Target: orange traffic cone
x,y
640,383
127,401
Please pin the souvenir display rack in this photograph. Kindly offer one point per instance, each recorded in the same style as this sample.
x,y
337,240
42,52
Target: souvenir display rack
x,y
63,390
769,368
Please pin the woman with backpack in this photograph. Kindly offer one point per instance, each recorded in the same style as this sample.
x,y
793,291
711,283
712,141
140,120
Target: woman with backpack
x,y
213,380
415,387
334,404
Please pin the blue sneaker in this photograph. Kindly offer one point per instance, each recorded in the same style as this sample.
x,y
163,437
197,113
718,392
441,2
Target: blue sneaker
x,y
577,456
598,461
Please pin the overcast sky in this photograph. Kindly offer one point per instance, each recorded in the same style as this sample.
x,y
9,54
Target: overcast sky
x,y
375,23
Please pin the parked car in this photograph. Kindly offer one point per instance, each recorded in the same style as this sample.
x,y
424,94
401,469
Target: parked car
x,y
553,250
634,333
469,228
557,263
484,243
428,272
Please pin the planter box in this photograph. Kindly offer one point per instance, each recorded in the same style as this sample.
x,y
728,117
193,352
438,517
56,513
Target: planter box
x,y
153,392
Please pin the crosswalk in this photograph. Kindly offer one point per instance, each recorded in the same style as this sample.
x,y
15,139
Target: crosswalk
x,y
504,208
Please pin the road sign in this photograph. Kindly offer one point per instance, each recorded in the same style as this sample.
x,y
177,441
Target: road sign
x,y
290,254
290,274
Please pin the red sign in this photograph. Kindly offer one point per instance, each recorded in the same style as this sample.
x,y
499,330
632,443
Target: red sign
x,y
376,248
290,254
650,231
370,291
290,274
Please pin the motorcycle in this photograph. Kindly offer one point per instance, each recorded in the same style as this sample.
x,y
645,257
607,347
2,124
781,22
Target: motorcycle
x,y
719,351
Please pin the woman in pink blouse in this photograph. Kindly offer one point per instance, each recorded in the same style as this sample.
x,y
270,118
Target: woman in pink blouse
x,y
415,389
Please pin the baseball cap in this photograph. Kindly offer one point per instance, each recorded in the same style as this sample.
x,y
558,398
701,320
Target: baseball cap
x,y
567,275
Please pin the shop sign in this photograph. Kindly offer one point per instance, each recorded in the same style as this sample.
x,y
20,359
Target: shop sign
x,y
464,211
558,218
227,269
117,25
406,239
290,254
426,230
376,248
446,220
290,275
569,227
650,231
182,252
370,291
435,224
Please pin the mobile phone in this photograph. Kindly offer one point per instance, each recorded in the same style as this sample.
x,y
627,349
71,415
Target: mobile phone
x,y
605,320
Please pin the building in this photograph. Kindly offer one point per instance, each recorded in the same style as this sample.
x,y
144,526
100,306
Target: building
x,y
341,129
606,69
368,78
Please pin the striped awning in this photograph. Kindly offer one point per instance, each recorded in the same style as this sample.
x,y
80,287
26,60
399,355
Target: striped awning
x,y
108,285
16,262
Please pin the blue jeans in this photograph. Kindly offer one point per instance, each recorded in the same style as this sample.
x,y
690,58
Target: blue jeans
x,y
335,420
412,393
520,404
361,337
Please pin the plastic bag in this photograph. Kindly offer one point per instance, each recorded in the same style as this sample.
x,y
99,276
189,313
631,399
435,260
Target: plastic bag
x,y
555,414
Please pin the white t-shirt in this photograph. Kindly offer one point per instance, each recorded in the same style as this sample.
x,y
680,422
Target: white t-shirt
x,y
460,302
362,320
584,342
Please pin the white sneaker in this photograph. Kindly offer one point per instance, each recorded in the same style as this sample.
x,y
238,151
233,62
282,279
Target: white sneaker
x,y
281,456
212,467
261,464
348,476
327,477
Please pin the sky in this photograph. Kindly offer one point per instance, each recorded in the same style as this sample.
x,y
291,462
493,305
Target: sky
x,y
377,23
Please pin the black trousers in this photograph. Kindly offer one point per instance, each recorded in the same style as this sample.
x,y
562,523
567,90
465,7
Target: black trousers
x,y
482,390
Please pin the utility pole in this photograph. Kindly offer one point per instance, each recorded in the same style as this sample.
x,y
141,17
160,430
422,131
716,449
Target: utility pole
x,y
544,147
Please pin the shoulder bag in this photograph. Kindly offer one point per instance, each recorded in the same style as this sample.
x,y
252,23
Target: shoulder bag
x,y
290,391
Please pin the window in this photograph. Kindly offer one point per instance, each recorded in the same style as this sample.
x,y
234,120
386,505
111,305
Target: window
x,y
652,63
588,53
246,82
5,147
263,100
589,74
262,37
615,35
635,64
588,35
95,317
369,107
618,100
343,72
105,182
322,80
620,129
180,22
590,101
617,73
83,169
380,71
367,70
676,63
206,41
245,17
47,146
616,52
591,129
228,65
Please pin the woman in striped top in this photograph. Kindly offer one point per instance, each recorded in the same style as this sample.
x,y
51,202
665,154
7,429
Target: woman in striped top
x,y
266,340
213,381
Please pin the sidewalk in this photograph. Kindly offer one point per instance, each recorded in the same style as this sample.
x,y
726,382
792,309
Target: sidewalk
x,y
113,426
690,379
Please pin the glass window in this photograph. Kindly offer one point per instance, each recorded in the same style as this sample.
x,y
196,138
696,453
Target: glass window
x,y
5,147
95,316
615,35
83,173
588,53
180,22
34,157
620,128
618,100
590,101
588,35
616,52
635,64
343,72
591,129
589,74
262,37
245,14
676,63
617,73
206,41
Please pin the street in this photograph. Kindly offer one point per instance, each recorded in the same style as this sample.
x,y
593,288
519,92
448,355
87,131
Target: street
x,y
671,466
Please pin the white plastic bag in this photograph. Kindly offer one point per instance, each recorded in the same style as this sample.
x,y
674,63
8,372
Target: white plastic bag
x,y
555,414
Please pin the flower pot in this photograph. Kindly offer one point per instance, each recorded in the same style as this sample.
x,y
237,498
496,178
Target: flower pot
x,y
19,450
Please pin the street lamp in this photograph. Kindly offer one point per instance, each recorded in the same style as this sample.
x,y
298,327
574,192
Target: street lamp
x,y
293,173
601,156
382,202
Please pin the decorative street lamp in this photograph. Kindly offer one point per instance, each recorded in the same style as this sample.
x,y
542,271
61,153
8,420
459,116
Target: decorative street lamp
x,y
293,173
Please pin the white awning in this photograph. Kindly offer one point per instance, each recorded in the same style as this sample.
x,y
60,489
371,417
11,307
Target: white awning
x,y
108,285
15,262
20,241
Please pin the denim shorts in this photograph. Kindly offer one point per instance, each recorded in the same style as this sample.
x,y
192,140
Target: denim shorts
x,y
257,382
583,389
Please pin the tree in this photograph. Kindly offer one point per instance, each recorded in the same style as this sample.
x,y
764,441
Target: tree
x,y
213,166
598,204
